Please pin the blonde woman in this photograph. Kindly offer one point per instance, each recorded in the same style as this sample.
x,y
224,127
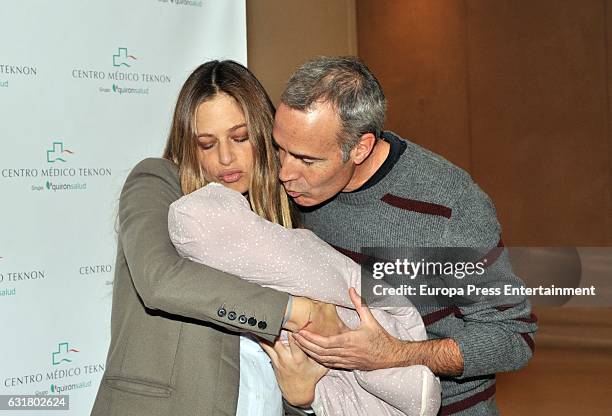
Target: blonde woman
x,y
174,347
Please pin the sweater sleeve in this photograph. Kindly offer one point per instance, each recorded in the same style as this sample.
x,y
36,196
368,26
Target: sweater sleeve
x,y
498,331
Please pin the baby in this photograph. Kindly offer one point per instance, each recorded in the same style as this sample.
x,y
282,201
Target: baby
x,y
215,226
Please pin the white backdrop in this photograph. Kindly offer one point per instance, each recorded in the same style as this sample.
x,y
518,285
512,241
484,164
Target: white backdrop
x,y
87,89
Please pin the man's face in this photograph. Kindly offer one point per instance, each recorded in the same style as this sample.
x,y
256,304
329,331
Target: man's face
x,y
312,170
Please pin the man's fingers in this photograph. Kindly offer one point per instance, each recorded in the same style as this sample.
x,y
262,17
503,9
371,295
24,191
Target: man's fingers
x,y
365,315
340,365
355,298
308,346
334,341
312,342
314,356
331,361
296,351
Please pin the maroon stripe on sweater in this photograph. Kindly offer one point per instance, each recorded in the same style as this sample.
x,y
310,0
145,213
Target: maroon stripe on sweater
x,y
531,319
417,206
433,317
494,254
466,403
529,342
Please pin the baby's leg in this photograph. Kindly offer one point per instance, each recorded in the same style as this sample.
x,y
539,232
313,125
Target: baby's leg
x,y
412,390
339,394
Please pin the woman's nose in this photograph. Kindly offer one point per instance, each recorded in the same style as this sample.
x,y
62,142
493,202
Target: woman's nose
x,y
226,155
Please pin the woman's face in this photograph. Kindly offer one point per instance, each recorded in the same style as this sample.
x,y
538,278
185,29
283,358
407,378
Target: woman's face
x,y
224,149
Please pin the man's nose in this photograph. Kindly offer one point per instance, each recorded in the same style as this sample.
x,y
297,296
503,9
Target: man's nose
x,y
288,170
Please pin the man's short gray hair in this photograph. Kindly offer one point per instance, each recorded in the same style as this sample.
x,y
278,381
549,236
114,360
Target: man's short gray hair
x,y
349,86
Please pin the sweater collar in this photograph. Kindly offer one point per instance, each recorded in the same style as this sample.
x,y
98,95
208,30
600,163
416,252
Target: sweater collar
x,y
375,192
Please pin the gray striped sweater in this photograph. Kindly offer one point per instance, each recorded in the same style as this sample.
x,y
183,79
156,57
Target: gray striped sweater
x,y
426,201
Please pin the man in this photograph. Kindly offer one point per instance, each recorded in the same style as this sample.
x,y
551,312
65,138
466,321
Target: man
x,y
365,187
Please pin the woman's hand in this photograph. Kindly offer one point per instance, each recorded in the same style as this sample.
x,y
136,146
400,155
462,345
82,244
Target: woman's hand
x,y
318,317
297,374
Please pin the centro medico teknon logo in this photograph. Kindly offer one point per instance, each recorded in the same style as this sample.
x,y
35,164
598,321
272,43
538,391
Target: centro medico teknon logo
x,y
122,58
62,354
58,153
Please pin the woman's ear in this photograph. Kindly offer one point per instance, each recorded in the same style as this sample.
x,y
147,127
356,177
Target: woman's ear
x,y
363,148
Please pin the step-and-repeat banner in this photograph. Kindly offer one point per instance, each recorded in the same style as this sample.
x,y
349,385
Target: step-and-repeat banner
x,y
87,89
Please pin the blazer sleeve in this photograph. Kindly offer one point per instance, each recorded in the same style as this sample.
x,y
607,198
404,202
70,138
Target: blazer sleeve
x,y
167,282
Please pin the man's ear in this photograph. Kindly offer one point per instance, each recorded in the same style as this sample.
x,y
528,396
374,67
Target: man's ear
x,y
363,148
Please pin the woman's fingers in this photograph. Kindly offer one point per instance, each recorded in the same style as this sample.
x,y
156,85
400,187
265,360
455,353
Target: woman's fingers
x,y
268,349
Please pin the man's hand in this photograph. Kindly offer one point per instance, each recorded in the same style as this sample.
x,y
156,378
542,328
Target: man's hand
x,y
369,347
296,373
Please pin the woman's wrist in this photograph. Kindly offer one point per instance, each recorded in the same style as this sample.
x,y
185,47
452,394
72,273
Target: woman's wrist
x,y
298,313
287,311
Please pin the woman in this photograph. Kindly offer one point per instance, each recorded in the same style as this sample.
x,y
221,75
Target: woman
x,y
174,349
216,225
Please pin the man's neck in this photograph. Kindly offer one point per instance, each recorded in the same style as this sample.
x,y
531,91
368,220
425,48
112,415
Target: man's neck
x,y
364,171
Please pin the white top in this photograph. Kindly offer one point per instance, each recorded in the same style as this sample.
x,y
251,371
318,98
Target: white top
x,y
259,394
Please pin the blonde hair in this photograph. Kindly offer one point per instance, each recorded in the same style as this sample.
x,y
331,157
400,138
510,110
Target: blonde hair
x,y
266,194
